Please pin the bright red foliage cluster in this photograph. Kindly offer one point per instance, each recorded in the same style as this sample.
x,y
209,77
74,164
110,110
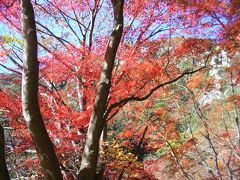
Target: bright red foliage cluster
x,y
161,40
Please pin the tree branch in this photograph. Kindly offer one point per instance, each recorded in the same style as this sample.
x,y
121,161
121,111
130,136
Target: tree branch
x,y
146,96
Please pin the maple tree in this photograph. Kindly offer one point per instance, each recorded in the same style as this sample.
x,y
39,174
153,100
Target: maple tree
x,y
160,52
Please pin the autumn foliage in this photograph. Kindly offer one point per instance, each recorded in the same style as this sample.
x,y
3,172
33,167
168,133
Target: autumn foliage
x,y
173,107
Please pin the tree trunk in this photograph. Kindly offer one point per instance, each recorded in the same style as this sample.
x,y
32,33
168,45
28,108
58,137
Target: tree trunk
x,y
96,124
31,111
3,166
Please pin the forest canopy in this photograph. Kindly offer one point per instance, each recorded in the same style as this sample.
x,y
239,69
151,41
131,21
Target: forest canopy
x,y
119,89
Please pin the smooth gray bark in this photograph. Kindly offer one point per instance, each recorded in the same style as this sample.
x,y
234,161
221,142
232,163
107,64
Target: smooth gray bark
x,y
31,111
97,120
3,166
